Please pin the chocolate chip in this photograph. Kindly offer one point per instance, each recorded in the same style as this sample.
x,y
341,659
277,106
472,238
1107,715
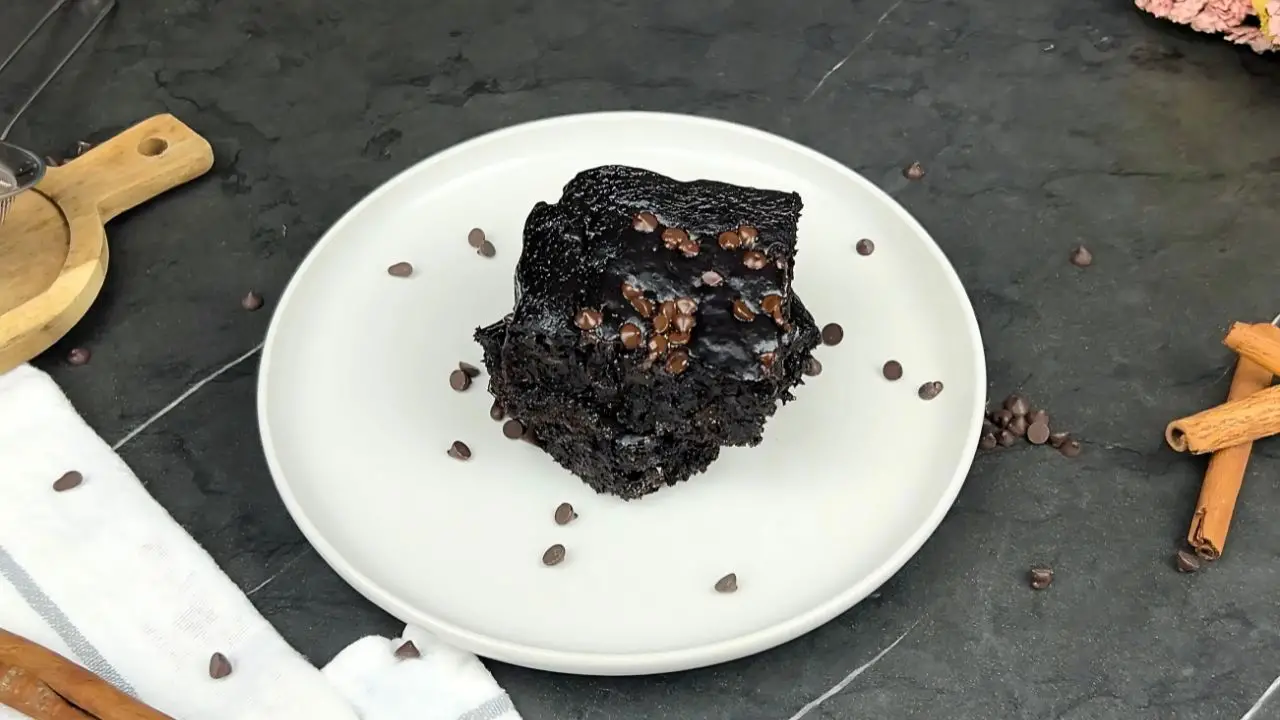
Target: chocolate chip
x,y
1081,257
565,514
672,237
487,250
459,451
400,270
496,412
987,441
554,555
475,238
689,247
685,323
70,479
678,361
471,370
632,336
631,292
661,324
643,306
914,171
219,666
1186,562
251,301
658,344
1006,438
1038,433
1038,416
727,584
865,247
832,334
772,305
79,356
513,429
82,147
892,370
669,309
742,311
711,278
748,235
407,650
754,260
676,337
730,240
1070,448
1041,578
459,380
588,319
1058,439
686,306
767,360
645,222
1018,425
930,390
1003,417
812,367
1017,405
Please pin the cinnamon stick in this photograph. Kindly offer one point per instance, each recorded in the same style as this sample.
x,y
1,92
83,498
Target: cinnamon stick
x,y
88,692
1259,342
1232,423
1222,480
21,690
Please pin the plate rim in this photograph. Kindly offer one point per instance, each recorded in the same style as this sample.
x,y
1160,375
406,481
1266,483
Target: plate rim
x,y
642,663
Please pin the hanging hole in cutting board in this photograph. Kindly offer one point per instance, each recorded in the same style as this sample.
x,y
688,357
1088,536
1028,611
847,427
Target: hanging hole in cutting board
x,y
153,146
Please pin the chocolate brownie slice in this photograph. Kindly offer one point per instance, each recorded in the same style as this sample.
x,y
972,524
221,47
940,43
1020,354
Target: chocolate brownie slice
x,y
654,323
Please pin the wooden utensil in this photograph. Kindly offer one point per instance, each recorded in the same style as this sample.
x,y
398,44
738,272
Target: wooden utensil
x,y
46,686
53,246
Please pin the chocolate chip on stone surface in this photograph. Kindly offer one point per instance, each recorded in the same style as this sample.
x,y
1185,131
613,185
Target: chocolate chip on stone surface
x,y
1058,439
565,514
554,555
459,380
1018,425
487,249
987,441
471,370
678,361
1038,433
631,336
1006,438
219,666
892,370
711,278
930,390
588,319
748,235
70,479
79,356
475,238
1081,257
496,412
400,270
1038,416
459,451
1070,448
251,301
1041,578
1017,404
1003,417
727,584
754,260
408,651
645,222
730,240
513,429
865,247
1186,562
832,334
672,237
742,311
812,367
914,171
689,247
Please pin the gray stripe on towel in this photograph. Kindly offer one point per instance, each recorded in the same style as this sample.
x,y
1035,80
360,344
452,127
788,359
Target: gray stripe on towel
x,y
61,624
491,709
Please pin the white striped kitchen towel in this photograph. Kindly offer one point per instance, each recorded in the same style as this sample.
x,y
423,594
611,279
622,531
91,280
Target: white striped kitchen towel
x,y
103,575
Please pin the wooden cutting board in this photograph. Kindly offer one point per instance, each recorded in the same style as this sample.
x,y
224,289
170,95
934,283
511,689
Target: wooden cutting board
x,y
53,246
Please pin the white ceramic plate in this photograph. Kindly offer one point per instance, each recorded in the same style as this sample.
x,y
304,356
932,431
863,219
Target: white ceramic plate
x,y
356,412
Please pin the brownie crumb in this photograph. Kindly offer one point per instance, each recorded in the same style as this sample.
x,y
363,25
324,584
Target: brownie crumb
x,y
68,481
219,666
1041,578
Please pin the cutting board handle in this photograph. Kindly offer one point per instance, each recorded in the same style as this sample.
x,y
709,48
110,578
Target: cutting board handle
x,y
150,158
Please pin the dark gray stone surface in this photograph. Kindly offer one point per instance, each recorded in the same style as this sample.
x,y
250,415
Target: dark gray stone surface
x,y
1041,125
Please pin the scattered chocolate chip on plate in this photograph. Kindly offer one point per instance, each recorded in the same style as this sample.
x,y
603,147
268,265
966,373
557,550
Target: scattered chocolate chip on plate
x,y
69,480
407,650
727,584
565,514
400,270
219,666
554,555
